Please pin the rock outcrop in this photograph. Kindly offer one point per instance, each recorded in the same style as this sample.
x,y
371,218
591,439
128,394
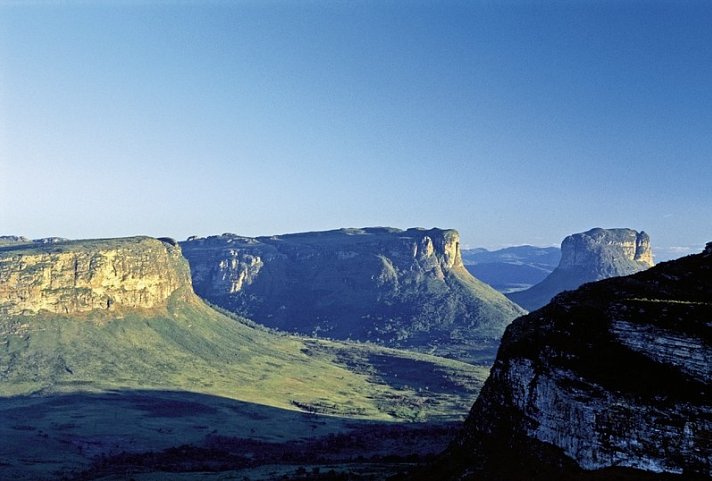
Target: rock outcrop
x,y
614,375
400,288
67,277
590,256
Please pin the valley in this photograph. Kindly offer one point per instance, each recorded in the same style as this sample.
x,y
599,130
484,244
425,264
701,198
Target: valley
x,y
111,368
513,268
355,240
105,350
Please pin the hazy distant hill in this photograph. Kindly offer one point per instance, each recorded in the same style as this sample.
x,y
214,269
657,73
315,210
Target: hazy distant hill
x,y
613,378
590,256
18,240
512,268
398,288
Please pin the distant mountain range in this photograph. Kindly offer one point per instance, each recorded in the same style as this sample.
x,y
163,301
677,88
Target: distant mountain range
x,y
513,268
611,381
400,288
590,256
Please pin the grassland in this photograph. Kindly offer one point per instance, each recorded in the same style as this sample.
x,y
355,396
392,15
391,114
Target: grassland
x,y
74,388
182,386
194,348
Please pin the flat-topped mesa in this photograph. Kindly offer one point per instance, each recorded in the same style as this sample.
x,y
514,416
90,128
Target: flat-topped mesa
x,y
608,252
447,245
397,287
590,256
242,258
80,276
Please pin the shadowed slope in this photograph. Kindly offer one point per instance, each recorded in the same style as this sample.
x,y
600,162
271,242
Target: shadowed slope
x,y
398,288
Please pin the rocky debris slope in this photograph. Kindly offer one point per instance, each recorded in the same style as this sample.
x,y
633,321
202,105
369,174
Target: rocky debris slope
x,y
67,277
400,288
587,257
614,375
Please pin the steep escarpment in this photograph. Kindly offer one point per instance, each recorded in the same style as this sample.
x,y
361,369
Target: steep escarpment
x,y
400,288
614,375
70,277
120,314
590,256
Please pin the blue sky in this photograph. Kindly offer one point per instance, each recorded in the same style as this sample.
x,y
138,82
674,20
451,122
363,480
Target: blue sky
x,y
513,122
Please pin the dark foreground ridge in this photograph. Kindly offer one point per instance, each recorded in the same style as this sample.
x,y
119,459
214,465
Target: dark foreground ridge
x,y
611,381
397,288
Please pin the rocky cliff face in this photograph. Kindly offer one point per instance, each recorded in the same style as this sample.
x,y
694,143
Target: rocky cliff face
x,y
587,257
401,288
607,252
615,374
70,277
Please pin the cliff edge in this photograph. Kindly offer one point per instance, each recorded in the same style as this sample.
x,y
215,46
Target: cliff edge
x,y
398,288
611,379
69,277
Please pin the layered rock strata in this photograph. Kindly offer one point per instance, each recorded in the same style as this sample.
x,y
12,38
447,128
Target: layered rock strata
x,y
68,277
614,375
402,288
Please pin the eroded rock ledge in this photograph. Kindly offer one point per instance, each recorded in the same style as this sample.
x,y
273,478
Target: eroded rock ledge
x,y
67,277
397,287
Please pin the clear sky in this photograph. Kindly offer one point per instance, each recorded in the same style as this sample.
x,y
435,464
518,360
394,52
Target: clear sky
x,y
513,122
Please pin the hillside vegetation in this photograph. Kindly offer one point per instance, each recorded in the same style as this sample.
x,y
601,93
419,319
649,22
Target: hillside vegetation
x,y
406,289
167,354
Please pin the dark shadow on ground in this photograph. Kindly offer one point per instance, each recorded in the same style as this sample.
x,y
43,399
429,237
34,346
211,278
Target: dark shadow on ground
x,y
102,434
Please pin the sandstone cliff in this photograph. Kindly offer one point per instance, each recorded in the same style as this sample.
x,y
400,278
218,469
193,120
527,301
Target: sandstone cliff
x,y
400,288
614,375
587,257
70,277
120,314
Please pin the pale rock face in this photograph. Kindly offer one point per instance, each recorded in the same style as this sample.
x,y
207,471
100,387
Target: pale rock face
x,y
69,278
614,374
598,429
598,248
688,353
237,270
